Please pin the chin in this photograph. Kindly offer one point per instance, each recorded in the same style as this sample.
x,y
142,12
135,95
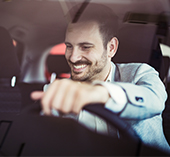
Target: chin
x,y
79,78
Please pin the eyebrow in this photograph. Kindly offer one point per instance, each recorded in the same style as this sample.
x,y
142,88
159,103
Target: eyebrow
x,y
86,43
83,43
67,43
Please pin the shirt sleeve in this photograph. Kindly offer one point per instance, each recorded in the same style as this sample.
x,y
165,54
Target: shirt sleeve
x,y
117,100
141,97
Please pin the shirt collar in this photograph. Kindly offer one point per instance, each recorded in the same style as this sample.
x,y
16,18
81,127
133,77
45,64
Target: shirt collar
x,y
109,78
114,74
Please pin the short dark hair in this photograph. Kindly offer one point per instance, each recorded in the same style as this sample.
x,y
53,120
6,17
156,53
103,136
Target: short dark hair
x,y
103,15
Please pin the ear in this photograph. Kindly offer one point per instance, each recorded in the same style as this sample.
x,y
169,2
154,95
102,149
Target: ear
x,y
112,47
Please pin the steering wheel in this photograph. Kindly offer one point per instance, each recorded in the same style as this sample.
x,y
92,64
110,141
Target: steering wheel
x,y
65,137
116,121
124,128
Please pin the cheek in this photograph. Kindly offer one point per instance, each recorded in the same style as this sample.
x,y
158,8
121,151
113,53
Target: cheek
x,y
93,58
95,55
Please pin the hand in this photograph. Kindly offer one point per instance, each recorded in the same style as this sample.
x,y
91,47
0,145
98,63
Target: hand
x,y
70,96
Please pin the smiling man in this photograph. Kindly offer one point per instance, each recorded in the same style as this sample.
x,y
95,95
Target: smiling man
x,y
85,53
133,91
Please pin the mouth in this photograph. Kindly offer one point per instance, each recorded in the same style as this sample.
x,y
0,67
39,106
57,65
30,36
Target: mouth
x,y
79,68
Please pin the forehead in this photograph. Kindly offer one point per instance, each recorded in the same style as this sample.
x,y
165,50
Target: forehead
x,y
81,31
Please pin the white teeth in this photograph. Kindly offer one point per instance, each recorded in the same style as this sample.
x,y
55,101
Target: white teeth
x,y
79,66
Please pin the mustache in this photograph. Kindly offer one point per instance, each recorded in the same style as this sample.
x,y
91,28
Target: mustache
x,y
80,62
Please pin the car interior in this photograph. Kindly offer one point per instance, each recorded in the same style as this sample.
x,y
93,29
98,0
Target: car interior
x,y
32,48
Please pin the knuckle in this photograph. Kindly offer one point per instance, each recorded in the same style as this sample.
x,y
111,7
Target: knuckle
x,y
65,110
76,110
81,93
44,102
55,106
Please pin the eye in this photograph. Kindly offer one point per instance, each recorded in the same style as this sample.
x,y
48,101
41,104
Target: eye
x,y
69,46
84,48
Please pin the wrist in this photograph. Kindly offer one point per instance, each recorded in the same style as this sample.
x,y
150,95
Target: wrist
x,y
104,94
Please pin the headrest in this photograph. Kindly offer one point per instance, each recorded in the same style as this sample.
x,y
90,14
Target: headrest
x,y
57,64
9,65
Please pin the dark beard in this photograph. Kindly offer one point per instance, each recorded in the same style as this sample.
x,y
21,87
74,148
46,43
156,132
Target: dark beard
x,y
93,71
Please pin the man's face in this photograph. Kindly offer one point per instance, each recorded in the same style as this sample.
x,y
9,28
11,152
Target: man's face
x,y
85,52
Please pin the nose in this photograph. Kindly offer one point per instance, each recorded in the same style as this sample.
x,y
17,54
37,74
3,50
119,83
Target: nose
x,y
75,55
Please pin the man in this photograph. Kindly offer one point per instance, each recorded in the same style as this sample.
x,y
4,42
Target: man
x,y
134,90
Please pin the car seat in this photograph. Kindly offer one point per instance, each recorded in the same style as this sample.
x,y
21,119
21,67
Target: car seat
x,y
56,62
10,95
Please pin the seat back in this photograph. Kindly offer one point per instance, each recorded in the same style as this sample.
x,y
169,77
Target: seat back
x,y
135,43
57,64
140,43
9,65
10,95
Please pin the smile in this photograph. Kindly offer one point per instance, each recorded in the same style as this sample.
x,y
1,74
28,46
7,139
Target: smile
x,y
80,66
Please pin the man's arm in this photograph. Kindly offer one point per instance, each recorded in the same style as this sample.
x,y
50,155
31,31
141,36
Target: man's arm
x,y
70,96
145,93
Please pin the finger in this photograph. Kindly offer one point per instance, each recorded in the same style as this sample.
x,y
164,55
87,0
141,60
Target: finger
x,y
37,95
61,95
48,97
70,96
79,101
81,97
